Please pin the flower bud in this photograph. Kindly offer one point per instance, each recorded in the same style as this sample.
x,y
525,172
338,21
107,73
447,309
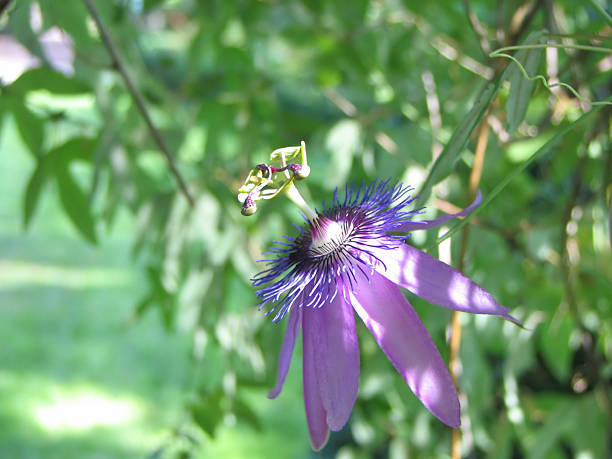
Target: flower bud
x,y
300,171
249,207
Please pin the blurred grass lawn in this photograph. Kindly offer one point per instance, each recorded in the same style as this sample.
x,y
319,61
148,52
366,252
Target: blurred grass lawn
x,y
77,377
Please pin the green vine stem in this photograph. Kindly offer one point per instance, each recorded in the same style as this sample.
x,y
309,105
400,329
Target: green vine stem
x,y
500,53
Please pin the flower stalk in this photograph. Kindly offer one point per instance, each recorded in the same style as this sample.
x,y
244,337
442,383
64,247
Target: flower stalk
x,y
294,195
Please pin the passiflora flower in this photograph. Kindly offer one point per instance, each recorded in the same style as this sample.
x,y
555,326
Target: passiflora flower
x,y
353,257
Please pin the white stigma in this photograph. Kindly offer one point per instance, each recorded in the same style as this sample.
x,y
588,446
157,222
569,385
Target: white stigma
x,y
327,235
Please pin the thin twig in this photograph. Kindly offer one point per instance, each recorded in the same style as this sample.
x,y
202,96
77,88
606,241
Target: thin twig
x,y
117,64
475,175
455,339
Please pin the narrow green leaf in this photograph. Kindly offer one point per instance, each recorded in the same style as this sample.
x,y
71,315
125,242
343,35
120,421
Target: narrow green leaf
x,y
521,88
556,349
75,203
143,306
601,10
30,125
150,4
450,154
502,436
71,20
559,421
590,429
2,111
33,192
20,27
246,414
159,297
74,149
46,78
207,413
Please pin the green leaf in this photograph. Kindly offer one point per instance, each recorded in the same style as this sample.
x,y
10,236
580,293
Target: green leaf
x,y
207,413
50,80
558,422
72,20
452,151
590,432
143,306
502,436
610,220
521,88
159,297
2,111
19,26
475,376
150,4
555,344
30,125
74,149
75,203
74,200
246,414
33,191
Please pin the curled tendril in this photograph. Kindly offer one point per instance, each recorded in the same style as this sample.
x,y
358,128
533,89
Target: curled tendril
x,y
500,53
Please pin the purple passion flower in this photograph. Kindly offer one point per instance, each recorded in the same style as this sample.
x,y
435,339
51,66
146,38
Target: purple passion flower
x,y
353,257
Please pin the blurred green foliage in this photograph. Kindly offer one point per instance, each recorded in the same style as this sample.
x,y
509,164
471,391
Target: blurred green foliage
x,y
376,88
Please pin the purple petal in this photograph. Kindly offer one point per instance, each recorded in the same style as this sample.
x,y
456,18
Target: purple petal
x,y
316,418
427,224
284,358
435,281
402,336
330,340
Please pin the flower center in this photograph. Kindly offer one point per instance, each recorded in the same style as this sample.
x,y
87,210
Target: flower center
x,y
327,235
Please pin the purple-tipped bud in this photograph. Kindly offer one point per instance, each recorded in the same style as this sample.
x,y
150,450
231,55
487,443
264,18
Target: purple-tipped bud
x,y
249,207
300,171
